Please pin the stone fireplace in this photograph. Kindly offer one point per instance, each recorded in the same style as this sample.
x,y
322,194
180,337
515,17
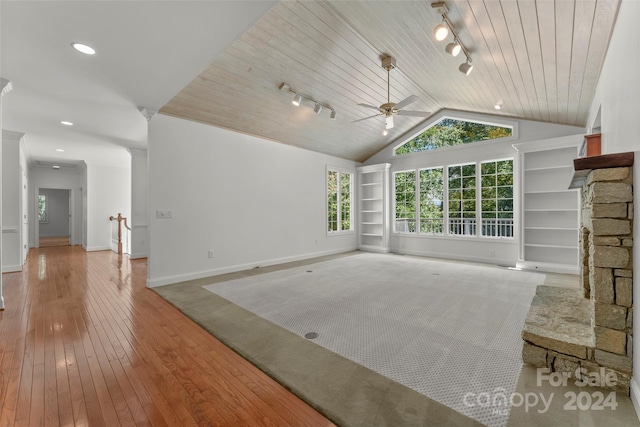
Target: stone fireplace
x,y
587,330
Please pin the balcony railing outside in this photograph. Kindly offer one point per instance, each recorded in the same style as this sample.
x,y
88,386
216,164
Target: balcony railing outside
x,y
493,227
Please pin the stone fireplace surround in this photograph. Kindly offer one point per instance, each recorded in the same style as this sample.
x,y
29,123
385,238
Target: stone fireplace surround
x,y
589,330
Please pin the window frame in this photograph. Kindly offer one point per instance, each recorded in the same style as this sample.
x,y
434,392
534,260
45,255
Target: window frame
x,y
465,117
446,220
340,171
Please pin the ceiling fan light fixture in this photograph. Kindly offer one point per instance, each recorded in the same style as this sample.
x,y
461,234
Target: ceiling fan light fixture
x,y
465,68
441,32
297,100
453,48
317,108
388,121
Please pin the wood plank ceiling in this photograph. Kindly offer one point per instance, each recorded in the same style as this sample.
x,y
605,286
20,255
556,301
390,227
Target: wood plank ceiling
x,y
539,59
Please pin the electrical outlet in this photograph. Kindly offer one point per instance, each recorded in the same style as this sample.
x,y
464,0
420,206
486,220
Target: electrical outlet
x,y
210,254
164,213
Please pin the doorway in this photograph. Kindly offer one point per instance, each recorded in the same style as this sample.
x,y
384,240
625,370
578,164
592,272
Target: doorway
x,y
53,211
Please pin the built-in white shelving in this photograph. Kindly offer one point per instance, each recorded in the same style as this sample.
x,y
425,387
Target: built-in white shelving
x,y
373,183
550,210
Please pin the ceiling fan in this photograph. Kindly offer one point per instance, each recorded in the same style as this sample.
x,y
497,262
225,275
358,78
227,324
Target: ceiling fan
x,y
389,109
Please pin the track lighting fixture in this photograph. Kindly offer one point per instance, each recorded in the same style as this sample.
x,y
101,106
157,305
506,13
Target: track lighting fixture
x,y
441,32
455,47
298,97
465,68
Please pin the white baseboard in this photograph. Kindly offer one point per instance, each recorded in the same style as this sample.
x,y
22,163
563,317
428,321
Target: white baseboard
x,y
138,256
456,257
372,248
635,395
167,280
547,267
11,268
96,248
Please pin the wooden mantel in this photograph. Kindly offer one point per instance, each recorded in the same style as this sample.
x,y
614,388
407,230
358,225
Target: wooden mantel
x,y
584,165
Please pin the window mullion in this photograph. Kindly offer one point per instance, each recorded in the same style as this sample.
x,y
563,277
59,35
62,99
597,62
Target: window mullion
x,y
417,197
478,199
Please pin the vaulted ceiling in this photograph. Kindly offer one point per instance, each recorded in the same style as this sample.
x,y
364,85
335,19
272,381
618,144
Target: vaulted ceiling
x,y
221,63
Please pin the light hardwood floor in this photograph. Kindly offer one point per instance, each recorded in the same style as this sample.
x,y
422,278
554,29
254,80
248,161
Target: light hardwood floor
x,y
83,342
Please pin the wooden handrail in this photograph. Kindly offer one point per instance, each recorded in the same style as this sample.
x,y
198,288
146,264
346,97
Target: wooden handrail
x,y
120,218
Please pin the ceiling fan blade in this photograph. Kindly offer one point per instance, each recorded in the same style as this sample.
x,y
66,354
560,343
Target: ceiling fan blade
x,y
369,106
406,102
414,113
370,117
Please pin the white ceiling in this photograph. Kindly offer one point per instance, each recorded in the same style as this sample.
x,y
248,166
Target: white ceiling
x,y
540,59
147,51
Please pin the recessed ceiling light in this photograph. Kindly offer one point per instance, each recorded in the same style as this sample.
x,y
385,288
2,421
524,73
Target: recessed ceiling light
x,y
87,50
497,106
59,150
56,167
66,123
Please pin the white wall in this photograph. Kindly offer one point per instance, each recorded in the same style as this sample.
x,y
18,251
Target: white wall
x,y
139,204
11,202
108,193
490,250
69,179
618,97
251,201
57,206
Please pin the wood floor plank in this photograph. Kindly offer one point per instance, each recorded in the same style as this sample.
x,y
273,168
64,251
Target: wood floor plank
x,y
84,342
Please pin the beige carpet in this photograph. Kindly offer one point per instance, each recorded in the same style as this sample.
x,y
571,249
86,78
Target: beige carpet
x,y
344,391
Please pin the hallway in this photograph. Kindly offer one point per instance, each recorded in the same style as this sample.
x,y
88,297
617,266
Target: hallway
x,y
83,342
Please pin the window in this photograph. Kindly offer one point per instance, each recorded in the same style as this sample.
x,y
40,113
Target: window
x,y
449,132
42,208
475,199
339,200
405,184
462,199
431,201
497,198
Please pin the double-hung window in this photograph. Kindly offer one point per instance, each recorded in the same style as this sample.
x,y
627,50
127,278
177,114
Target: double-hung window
x,y
339,200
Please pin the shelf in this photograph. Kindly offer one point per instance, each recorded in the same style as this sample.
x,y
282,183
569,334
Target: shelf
x,y
371,234
364,184
376,211
552,228
550,191
371,199
549,168
538,245
371,223
551,210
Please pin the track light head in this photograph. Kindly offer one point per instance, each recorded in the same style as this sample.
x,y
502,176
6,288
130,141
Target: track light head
x,y
297,100
317,108
453,48
441,32
465,68
333,115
